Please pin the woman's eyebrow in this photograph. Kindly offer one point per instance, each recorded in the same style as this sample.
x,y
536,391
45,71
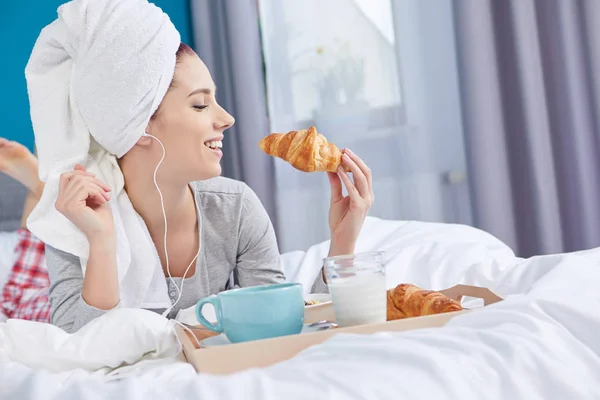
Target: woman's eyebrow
x,y
203,90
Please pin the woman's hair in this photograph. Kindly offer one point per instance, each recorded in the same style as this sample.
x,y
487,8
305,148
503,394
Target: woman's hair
x,y
183,50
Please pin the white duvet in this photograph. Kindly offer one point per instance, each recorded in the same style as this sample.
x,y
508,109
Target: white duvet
x,y
541,342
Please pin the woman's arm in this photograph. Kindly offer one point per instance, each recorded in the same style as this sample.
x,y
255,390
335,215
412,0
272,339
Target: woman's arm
x,y
101,282
76,299
258,260
258,256
347,213
69,309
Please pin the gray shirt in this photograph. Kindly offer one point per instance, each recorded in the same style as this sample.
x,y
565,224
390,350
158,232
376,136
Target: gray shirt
x,y
237,241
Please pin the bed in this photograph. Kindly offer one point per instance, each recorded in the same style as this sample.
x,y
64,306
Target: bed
x,y
541,342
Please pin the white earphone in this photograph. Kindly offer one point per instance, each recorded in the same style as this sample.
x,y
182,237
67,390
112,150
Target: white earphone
x,y
162,204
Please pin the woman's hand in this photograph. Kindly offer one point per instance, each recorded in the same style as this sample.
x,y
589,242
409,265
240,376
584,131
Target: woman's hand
x,y
347,213
83,199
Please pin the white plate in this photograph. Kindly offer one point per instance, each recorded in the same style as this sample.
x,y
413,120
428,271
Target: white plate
x,y
322,298
222,340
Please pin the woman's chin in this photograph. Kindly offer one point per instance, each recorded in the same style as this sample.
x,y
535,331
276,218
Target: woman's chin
x,y
207,172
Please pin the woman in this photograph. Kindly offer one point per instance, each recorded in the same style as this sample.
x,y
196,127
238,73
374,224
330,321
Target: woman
x,y
217,228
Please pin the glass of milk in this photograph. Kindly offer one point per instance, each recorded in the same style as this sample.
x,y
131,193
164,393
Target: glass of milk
x,y
357,286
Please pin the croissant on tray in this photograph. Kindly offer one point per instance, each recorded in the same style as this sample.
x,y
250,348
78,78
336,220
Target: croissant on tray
x,y
307,150
406,300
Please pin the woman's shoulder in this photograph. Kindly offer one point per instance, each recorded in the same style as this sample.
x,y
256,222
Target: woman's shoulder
x,y
219,185
222,190
226,193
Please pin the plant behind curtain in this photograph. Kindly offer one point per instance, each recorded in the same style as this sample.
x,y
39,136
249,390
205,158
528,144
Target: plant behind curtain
x,y
370,78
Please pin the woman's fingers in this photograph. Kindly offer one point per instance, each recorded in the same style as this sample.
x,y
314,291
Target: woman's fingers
x,y
89,192
79,187
96,196
363,167
350,187
336,187
95,186
104,189
360,180
79,176
103,185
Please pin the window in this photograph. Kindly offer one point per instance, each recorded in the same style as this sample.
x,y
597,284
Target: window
x,y
338,65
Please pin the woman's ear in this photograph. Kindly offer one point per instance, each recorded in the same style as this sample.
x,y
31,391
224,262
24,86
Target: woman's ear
x,y
151,127
144,141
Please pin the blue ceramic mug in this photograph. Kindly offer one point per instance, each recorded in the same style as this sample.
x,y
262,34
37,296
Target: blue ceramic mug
x,y
258,312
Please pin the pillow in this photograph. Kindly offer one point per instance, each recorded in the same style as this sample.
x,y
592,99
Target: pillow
x,y
119,338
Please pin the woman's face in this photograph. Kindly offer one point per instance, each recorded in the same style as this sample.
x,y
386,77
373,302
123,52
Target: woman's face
x,y
190,124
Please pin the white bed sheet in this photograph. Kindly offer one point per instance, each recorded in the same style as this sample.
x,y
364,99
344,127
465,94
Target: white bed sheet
x,y
540,343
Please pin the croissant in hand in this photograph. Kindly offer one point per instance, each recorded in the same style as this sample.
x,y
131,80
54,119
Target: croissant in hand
x,y
407,300
306,150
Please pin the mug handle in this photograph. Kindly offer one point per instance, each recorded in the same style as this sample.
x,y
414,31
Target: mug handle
x,y
214,300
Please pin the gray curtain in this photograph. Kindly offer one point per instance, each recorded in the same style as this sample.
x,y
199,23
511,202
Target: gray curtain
x,y
227,38
530,87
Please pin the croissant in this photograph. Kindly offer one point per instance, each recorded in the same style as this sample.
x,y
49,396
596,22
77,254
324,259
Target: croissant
x,y
306,150
406,300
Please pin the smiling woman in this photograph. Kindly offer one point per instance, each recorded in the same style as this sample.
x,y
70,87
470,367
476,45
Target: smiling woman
x,y
164,219
188,120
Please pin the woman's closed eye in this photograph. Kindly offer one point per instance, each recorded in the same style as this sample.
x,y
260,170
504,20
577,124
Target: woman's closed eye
x,y
200,107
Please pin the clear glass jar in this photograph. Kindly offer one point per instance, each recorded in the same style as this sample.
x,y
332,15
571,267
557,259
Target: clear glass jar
x,y
358,289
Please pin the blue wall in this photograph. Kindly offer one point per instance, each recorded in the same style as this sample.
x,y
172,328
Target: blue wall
x,y
20,24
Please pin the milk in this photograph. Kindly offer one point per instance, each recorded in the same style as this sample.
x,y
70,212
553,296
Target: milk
x,y
359,299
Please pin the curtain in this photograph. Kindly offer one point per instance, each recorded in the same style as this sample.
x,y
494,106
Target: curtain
x,y
530,91
480,112
227,38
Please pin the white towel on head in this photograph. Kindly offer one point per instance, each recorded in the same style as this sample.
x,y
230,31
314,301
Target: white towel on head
x,y
95,76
